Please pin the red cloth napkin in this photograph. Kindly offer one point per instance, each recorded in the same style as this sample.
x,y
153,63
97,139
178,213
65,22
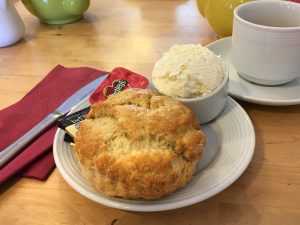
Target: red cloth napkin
x,y
36,160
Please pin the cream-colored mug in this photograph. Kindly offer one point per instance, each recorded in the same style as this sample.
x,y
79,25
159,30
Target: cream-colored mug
x,y
11,25
266,41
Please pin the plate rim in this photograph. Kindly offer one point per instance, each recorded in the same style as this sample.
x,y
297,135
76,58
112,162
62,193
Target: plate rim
x,y
249,98
108,201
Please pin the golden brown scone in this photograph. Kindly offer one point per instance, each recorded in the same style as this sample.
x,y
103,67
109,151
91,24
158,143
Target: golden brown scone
x,y
138,144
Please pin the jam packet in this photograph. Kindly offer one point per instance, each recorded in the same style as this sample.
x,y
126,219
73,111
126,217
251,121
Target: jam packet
x,y
118,80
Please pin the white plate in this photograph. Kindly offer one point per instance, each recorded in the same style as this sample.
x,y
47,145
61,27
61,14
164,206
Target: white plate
x,y
230,146
287,94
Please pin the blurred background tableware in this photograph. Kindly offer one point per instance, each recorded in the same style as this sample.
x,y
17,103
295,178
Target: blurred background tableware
x,y
11,25
219,14
265,41
57,11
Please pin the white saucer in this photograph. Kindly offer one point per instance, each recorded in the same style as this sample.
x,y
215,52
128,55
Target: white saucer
x,y
287,94
230,145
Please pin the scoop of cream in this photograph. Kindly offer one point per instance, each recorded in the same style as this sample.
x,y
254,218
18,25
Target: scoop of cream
x,y
187,71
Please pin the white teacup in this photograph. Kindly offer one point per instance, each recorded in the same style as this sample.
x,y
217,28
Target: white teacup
x,y
266,41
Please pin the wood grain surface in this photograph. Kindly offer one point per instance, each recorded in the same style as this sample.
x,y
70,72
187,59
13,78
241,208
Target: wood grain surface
x,y
134,34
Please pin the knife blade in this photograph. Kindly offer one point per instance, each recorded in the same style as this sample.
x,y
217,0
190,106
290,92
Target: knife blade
x,y
8,153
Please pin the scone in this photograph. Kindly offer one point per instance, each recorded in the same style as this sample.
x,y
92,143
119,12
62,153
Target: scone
x,y
138,145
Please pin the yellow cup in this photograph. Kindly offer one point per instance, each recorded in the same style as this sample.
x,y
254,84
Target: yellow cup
x,y
219,14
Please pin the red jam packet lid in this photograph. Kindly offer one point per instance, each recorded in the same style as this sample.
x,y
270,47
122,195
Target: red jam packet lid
x,y
118,80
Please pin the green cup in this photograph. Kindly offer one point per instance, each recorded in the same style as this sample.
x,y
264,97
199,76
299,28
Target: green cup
x,y
57,11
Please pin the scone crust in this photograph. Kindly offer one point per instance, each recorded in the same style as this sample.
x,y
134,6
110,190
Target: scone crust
x,y
138,144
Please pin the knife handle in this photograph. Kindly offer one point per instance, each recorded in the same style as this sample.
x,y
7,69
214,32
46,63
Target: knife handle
x,y
13,149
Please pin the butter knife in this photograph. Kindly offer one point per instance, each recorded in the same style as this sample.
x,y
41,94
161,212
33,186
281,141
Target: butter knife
x,y
8,153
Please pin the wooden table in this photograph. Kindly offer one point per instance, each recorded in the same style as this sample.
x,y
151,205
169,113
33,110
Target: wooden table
x,y
134,34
